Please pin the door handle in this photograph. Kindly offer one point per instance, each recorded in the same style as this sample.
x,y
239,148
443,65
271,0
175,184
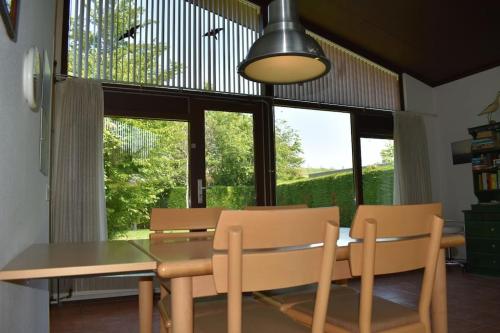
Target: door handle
x,y
200,190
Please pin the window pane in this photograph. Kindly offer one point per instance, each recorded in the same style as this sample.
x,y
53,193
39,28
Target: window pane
x,y
175,43
229,155
146,166
377,158
314,159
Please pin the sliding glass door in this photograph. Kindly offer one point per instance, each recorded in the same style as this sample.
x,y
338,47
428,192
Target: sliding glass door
x,y
227,144
208,154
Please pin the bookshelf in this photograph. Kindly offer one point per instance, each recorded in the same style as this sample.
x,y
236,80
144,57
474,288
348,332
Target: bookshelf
x,y
485,151
482,221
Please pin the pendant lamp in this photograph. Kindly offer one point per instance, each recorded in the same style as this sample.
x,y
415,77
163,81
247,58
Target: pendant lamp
x,y
284,54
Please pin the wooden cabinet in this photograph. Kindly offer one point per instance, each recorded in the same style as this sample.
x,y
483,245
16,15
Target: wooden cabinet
x,y
482,233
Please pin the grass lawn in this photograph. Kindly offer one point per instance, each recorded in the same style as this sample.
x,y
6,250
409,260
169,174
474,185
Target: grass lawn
x,y
135,234
143,234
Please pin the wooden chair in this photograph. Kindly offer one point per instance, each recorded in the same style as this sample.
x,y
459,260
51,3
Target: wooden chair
x,y
412,240
261,250
298,206
176,223
167,223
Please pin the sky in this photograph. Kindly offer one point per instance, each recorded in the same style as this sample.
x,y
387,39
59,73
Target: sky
x,y
326,138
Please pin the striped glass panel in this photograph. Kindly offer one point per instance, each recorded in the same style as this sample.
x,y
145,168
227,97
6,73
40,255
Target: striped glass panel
x,y
353,81
191,44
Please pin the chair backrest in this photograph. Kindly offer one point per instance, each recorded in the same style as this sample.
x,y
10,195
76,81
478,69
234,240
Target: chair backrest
x,y
298,206
397,220
395,239
261,250
183,222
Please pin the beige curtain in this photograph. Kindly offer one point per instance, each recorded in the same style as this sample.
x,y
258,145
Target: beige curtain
x,y
353,81
412,180
78,207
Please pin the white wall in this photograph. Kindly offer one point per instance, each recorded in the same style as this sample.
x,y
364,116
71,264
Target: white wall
x,y
456,105
23,208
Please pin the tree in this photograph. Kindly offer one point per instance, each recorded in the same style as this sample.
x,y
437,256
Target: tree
x,y
103,56
387,153
139,175
230,153
229,147
288,152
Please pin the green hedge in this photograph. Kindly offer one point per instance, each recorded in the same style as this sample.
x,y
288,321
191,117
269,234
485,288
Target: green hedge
x,y
234,197
378,185
336,189
323,191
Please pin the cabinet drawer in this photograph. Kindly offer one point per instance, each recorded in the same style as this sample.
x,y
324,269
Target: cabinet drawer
x,y
483,245
482,229
482,216
483,260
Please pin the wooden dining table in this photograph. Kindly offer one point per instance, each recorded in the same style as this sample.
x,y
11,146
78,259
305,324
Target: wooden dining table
x,y
182,259
87,259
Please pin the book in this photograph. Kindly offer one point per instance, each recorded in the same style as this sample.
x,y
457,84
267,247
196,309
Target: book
x,y
485,134
481,162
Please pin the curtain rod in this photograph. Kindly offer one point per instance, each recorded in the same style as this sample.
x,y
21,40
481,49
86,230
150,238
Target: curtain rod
x,y
62,77
122,86
198,93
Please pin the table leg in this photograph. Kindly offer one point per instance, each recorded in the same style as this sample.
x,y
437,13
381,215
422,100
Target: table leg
x,y
146,304
439,304
182,305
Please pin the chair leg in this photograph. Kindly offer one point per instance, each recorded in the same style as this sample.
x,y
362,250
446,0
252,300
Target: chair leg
x,y
439,305
182,304
164,328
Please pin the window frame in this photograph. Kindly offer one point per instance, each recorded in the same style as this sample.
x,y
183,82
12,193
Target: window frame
x,y
150,103
365,122
360,124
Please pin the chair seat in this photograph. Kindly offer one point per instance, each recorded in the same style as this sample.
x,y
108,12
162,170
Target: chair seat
x,y
343,312
286,300
211,317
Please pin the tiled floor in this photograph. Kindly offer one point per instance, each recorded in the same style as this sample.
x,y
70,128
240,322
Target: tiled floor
x,y
99,316
473,305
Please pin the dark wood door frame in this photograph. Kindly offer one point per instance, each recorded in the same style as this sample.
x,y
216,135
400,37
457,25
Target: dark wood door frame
x,y
198,106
